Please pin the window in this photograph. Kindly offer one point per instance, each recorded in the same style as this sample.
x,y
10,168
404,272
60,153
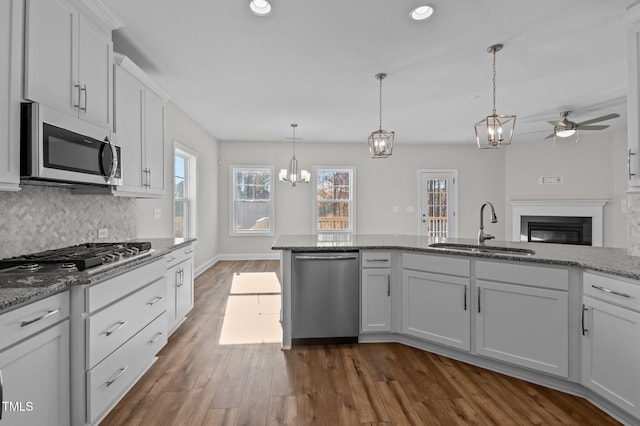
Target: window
x,y
251,200
438,200
184,192
334,206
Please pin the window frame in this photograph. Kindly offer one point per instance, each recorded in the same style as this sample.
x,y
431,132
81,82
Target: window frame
x,y
233,232
352,199
190,189
452,197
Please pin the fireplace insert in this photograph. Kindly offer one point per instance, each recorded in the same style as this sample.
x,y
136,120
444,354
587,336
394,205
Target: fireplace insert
x,y
556,229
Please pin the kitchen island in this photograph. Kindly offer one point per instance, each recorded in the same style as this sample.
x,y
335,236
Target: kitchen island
x,y
557,317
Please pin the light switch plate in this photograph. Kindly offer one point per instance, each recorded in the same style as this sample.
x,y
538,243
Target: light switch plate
x,y
157,213
103,232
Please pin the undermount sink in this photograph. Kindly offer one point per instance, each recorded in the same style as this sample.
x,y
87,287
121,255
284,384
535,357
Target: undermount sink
x,y
472,248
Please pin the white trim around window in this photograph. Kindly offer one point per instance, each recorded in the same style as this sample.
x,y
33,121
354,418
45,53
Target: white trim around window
x,y
252,201
452,199
186,197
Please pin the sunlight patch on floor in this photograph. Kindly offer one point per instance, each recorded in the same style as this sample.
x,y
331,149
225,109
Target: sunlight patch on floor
x,y
253,310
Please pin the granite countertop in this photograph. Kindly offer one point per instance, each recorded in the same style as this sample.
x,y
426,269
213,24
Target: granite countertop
x,y
614,261
19,289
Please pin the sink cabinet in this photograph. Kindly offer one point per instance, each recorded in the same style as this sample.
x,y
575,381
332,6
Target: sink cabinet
x,y
436,304
375,309
611,339
68,60
522,315
35,371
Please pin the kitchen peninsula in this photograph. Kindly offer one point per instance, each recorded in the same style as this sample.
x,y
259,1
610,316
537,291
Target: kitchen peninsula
x,y
557,317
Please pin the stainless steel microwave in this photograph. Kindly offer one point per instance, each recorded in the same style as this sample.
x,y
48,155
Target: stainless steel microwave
x,y
56,148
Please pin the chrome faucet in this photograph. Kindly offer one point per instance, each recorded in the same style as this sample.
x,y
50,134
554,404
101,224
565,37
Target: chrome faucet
x,y
482,237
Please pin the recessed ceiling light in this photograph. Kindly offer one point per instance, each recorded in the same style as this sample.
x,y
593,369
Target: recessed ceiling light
x,y
421,13
260,7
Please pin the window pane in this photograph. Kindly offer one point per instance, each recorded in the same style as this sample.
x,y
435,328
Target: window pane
x,y
333,215
179,185
179,217
179,166
437,224
334,185
251,216
253,185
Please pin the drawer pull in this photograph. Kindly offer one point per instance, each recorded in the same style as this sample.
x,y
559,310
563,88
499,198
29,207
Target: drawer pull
x,y
155,338
156,300
606,290
171,260
119,325
117,376
47,315
188,252
377,260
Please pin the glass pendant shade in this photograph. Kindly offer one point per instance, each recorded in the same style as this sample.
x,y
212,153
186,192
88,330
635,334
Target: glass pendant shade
x,y
381,141
293,175
495,130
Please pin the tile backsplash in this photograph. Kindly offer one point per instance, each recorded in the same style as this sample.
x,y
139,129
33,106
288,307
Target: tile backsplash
x,y
41,218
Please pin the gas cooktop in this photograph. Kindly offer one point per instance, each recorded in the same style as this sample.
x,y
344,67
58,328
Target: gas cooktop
x,y
76,258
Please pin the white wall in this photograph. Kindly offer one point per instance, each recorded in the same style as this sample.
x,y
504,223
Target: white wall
x,y
594,168
180,127
380,185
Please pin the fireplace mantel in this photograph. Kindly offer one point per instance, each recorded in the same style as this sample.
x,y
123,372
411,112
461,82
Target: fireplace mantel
x,y
585,208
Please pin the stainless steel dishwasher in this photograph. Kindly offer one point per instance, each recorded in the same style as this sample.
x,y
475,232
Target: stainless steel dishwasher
x,y
325,297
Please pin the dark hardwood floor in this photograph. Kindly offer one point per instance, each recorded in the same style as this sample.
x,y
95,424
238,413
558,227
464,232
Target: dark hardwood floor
x,y
198,381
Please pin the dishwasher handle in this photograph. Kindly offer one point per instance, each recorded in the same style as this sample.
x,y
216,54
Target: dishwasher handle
x,y
309,257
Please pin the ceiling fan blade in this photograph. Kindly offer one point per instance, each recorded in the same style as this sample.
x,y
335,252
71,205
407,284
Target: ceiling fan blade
x,y
555,123
598,119
550,136
598,127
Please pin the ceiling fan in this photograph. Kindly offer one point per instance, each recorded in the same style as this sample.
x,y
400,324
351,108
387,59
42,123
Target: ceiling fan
x,y
565,127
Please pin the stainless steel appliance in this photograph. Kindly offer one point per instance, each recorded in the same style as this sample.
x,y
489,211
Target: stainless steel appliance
x,y
58,148
91,257
325,297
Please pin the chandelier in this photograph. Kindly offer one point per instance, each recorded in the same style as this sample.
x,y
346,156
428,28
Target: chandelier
x,y
381,141
495,130
292,174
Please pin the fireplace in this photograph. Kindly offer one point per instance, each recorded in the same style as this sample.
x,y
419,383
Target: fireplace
x,y
556,229
558,221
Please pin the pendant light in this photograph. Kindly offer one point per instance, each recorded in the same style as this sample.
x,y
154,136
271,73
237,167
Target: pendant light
x,y
292,175
381,141
495,130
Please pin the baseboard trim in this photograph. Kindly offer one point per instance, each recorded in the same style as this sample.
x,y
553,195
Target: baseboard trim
x,y
206,265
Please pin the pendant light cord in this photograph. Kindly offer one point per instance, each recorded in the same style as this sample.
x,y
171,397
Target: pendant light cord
x,y
494,81
381,103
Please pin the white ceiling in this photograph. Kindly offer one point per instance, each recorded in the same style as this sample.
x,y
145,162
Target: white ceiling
x,y
246,78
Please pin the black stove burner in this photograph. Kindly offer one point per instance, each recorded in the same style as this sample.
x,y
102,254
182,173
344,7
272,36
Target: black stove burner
x,y
77,258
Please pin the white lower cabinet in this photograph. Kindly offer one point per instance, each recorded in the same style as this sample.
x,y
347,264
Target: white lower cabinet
x,y
522,315
35,372
436,308
179,277
375,310
435,299
611,340
523,325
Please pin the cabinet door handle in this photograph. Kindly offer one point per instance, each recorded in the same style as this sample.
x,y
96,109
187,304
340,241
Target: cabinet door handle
x,y
149,171
47,315
84,89
465,298
388,285
629,164
117,376
377,260
584,309
77,86
155,300
606,290
478,299
119,325
155,338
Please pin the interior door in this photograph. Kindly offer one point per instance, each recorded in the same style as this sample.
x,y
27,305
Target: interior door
x,y
438,204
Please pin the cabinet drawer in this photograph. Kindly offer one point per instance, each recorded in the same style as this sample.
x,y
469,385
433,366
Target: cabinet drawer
x,y
537,276
109,291
375,259
179,255
21,323
613,290
114,325
438,264
109,380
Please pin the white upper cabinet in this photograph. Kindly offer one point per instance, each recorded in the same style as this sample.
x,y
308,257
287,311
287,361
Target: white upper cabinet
x,y
68,60
139,126
10,78
633,99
